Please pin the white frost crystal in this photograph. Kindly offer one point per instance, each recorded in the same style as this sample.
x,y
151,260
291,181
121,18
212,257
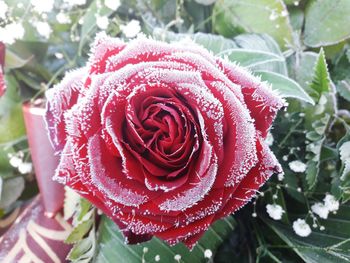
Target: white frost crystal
x,y
301,228
131,29
297,166
331,203
275,211
320,209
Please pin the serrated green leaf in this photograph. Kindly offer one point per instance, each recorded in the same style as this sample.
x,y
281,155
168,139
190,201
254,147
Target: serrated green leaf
x,y
312,172
84,250
256,16
321,80
250,58
286,87
326,22
113,249
79,231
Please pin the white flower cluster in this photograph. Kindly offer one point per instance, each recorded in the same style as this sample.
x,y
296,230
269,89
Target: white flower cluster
x,y
16,161
11,32
301,228
275,211
3,9
330,204
297,166
131,29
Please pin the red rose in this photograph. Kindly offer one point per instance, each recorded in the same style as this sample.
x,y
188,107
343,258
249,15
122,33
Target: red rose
x,y
164,138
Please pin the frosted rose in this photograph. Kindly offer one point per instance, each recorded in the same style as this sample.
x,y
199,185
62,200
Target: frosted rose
x,y
164,138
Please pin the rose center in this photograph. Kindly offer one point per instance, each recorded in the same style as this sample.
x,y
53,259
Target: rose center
x,y
161,131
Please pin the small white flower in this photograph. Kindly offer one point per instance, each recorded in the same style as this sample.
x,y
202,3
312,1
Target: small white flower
x,y
269,139
112,4
274,211
63,18
131,29
301,228
15,161
331,203
43,29
297,166
280,176
322,228
208,253
102,22
254,215
177,257
25,168
41,6
285,158
205,2
157,258
3,9
145,250
320,209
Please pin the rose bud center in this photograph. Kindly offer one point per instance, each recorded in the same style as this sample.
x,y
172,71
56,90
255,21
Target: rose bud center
x,y
161,130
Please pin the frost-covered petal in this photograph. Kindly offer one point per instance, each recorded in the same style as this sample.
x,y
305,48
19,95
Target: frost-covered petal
x,y
60,99
262,102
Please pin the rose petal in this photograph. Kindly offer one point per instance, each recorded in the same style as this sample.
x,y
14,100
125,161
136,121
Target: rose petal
x,y
60,99
261,100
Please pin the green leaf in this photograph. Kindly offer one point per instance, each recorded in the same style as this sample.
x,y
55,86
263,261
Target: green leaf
x,y
79,231
10,191
286,87
264,43
214,43
250,58
321,80
343,88
84,250
113,249
312,171
256,16
328,246
12,60
326,22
